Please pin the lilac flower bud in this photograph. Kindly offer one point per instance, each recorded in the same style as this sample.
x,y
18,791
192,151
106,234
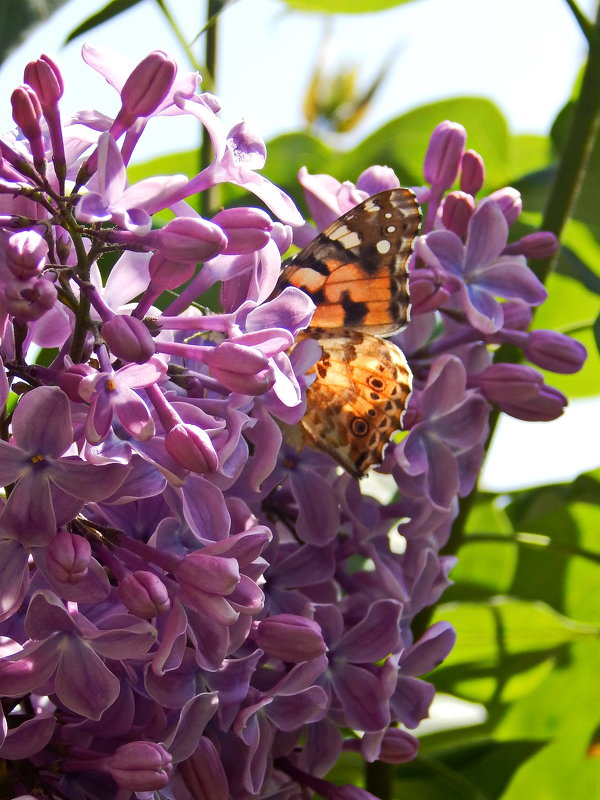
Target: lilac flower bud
x,y
426,291
290,638
472,172
541,244
191,239
457,211
555,352
63,247
517,316
377,179
45,79
191,447
444,153
70,380
29,300
203,773
208,574
520,391
509,201
247,229
241,369
27,113
148,85
68,557
128,338
144,594
26,253
141,766
398,747
166,274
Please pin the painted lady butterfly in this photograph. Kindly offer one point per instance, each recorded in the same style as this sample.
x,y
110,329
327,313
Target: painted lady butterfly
x,y
357,275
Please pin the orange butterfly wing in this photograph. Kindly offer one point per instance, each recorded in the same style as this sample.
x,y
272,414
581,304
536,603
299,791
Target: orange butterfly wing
x,y
358,398
356,271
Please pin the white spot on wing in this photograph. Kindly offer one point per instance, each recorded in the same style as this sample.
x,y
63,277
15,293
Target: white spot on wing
x,y
383,247
345,237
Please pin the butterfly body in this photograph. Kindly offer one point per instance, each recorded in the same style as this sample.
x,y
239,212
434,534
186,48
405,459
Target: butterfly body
x,y
357,275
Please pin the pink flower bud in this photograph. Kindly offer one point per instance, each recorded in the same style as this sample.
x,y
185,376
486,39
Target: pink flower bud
x,y
247,229
144,594
45,79
541,244
426,291
239,368
68,557
191,447
472,172
457,211
191,239
26,253
203,773
520,391
290,638
166,274
70,380
128,338
444,153
141,766
28,300
205,580
517,316
555,352
509,202
27,113
377,179
148,84
398,746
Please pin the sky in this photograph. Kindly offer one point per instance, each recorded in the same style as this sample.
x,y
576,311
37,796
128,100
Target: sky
x,y
525,61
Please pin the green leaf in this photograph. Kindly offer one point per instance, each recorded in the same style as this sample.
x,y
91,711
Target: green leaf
x,y
110,10
504,648
564,573
580,255
344,6
564,710
471,772
19,17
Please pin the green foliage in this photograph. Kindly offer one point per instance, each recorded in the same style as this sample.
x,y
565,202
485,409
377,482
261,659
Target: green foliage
x,y
344,6
110,10
19,17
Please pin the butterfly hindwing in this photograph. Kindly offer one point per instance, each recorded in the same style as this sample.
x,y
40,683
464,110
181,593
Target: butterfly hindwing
x,y
357,399
356,270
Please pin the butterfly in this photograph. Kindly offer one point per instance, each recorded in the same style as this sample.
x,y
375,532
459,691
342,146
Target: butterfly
x,y
356,272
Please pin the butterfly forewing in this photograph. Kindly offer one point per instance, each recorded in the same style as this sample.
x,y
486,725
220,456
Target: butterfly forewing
x,y
356,271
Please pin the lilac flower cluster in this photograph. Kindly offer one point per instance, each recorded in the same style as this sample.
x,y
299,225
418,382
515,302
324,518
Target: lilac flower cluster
x,y
189,607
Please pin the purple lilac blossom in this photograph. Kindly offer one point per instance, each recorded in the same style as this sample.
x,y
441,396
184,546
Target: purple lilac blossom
x,y
189,606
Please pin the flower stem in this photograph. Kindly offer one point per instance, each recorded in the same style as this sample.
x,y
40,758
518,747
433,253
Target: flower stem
x,y
577,148
208,198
